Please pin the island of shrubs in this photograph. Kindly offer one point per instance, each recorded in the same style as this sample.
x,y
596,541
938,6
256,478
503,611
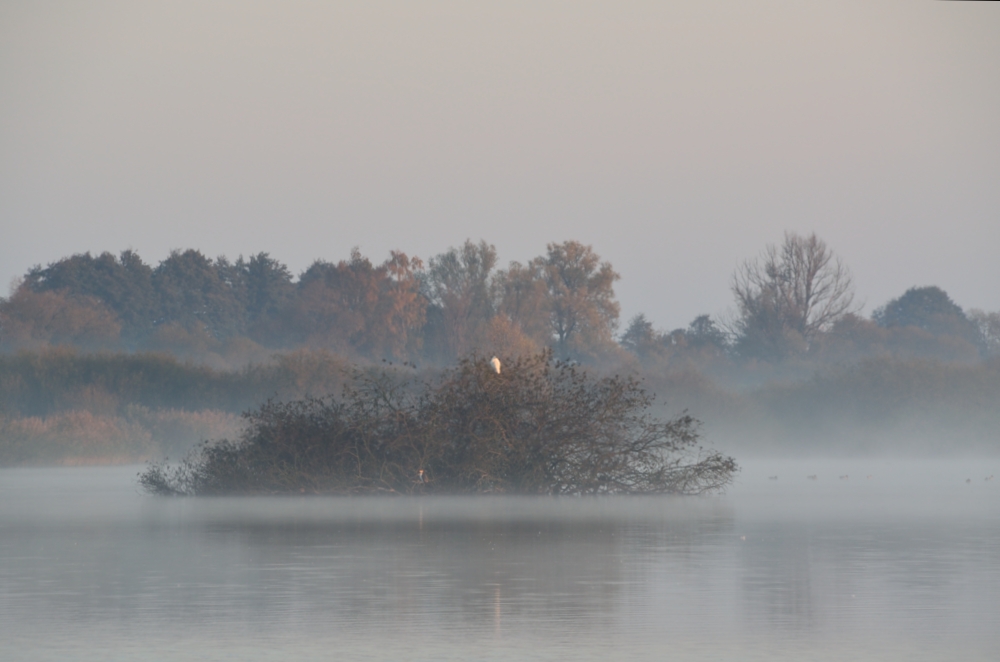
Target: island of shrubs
x,y
539,426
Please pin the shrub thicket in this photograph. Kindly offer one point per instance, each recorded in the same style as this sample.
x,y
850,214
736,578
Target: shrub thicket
x,y
80,436
539,427
57,380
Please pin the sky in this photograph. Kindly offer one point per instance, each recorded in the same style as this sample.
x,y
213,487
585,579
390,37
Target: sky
x,y
678,139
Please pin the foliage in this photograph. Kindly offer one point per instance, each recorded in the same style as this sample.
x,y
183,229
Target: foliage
x,y
584,312
539,427
123,284
48,382
189,304
204,339
702,343
145,404
640,338
564,299
72,437
854,339
930,309
457,282
704,332
520,294
357,307
269,289
503,337
85,436
794,312
32,319
193,292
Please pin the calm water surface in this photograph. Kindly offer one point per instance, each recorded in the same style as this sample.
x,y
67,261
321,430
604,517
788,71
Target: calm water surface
x,y
904,564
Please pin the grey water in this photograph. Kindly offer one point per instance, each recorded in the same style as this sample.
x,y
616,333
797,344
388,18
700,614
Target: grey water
x,y
870,560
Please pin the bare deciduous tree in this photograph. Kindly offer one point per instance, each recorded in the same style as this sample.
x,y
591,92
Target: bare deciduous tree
x,y
789,295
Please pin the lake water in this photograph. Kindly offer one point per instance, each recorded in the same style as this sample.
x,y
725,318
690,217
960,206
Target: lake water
x,y
897,560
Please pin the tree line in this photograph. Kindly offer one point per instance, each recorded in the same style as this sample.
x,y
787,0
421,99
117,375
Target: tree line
x,y
794,301
400,309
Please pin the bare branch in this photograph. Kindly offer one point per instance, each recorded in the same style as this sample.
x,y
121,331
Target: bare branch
x,y
792,292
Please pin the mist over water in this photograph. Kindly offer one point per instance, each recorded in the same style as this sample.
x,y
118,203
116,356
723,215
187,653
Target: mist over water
x,y
901,565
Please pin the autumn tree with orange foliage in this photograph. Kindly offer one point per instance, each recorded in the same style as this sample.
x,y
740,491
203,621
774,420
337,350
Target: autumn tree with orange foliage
x,y
31,319
583,309
355,306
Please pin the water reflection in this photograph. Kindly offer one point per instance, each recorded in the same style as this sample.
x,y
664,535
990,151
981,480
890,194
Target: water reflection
x,y
89,571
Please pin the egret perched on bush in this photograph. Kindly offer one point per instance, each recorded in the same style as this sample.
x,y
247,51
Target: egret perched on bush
x,y
495,362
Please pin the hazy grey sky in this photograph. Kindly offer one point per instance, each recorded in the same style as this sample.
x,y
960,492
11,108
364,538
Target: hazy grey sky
x,y
677,138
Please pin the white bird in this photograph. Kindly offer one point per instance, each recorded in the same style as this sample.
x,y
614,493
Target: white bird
x,y
495,362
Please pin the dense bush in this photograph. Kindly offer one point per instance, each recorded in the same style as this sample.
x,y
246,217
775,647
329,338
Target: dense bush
x,y
539,427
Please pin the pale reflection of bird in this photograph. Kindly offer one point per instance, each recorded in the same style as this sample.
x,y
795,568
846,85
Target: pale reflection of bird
x,y
772,478
495,363
844,477
813,477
